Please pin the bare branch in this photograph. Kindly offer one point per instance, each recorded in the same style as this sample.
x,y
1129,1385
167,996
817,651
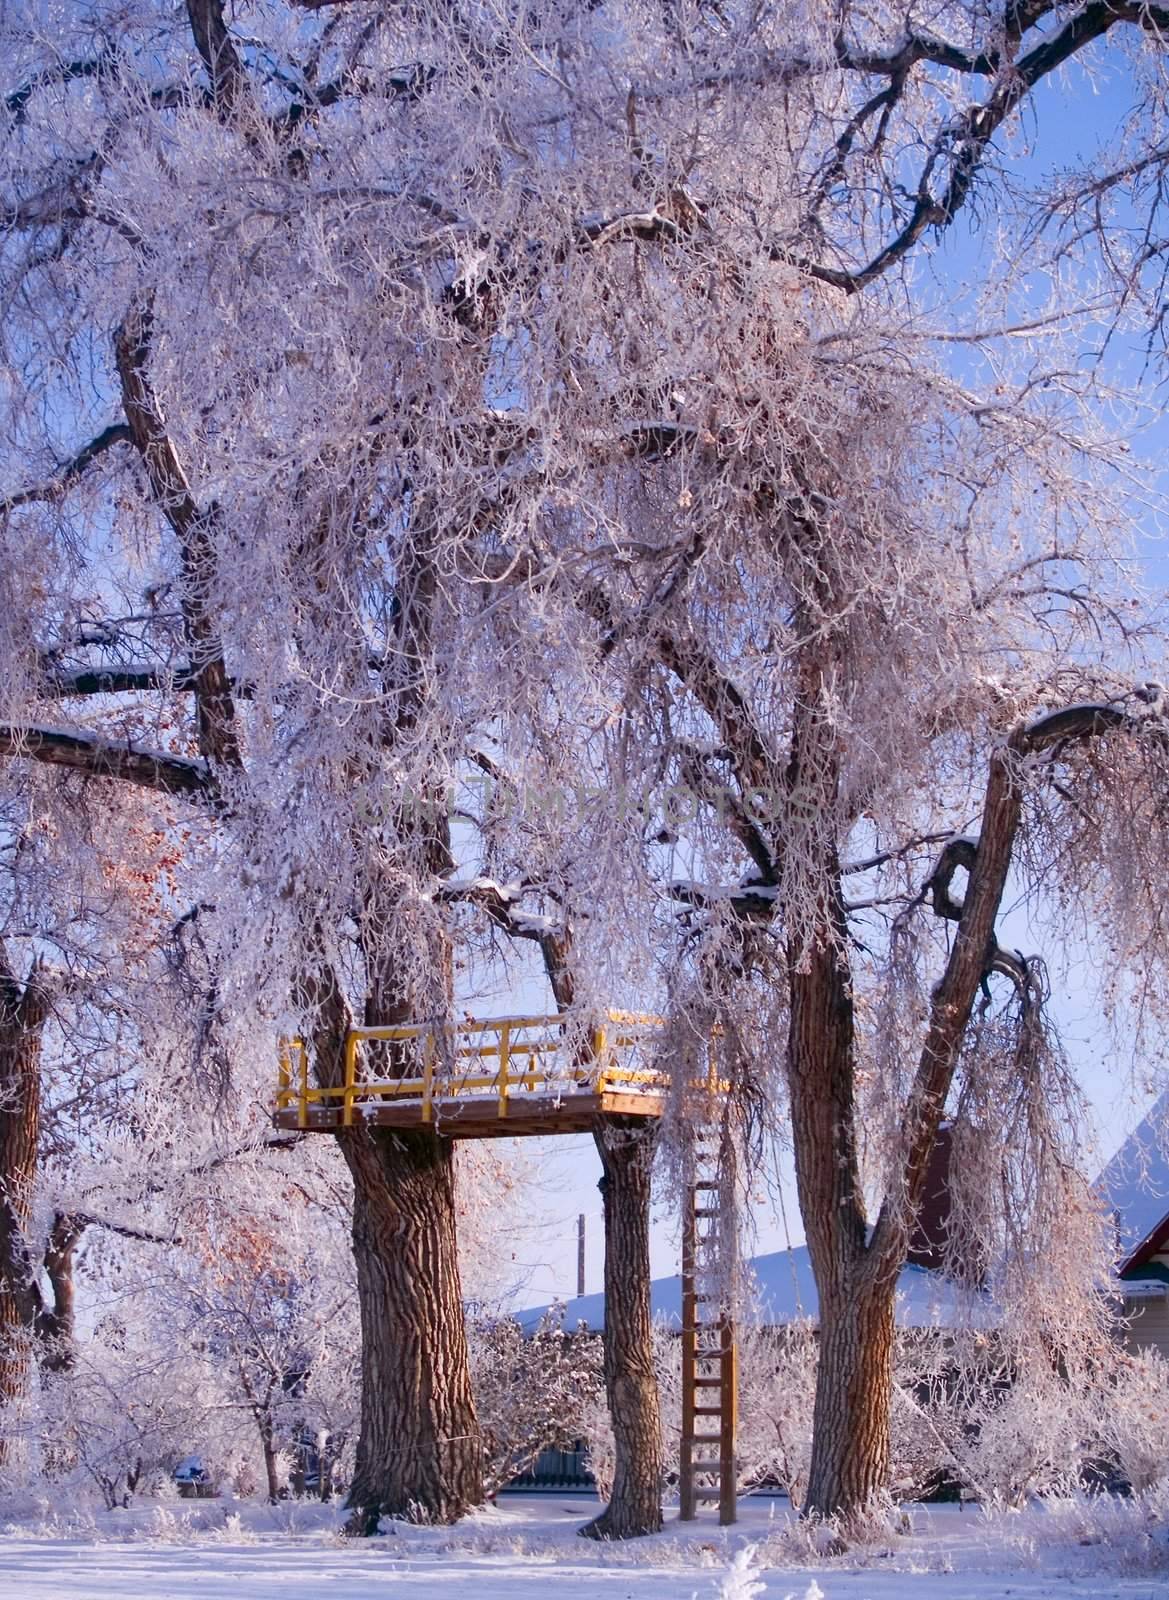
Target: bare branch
x,y
125,1230
962,142
54,488
870,863
706,785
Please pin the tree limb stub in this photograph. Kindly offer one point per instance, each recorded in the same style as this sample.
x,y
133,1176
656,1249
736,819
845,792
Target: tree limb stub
x,y
959,855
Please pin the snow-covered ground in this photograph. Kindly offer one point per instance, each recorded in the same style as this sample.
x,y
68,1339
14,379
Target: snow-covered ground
x,y
527,1549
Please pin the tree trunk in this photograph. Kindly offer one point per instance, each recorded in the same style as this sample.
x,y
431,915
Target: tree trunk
x,y
850,1433
268,1445
626,1146
854,1385
22,1013
57,1321
856,1272
419,1456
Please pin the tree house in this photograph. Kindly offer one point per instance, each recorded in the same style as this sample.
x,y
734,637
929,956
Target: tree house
x,y
511,1077
503,1077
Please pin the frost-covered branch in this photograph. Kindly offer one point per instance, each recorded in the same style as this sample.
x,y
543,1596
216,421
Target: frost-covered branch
x,y
218,739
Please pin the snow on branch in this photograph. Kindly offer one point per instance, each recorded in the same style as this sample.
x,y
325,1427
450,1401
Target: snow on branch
x,y
92,67
500,901
101,758
1071,722
750,901
78,682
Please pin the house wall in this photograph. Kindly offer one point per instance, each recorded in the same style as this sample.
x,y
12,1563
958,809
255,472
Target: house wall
x,y
1149,1325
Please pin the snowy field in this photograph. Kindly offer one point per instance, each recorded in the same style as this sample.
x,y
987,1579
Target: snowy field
x,y
527,1549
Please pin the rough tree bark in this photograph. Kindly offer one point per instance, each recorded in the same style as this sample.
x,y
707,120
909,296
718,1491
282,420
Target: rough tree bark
x,y
419,1456
626,1148
850,1434
854,1382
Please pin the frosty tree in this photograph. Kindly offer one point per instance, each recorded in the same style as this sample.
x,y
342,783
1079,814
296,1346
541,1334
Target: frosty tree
x,y
78,946
396,389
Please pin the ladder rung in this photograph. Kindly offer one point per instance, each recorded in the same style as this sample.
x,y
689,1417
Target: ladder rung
x,y
708,1411
707,1438
708,1383
706,1183
707,1212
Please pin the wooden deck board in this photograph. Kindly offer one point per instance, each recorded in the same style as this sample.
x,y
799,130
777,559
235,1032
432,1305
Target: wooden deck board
x,y
477,1117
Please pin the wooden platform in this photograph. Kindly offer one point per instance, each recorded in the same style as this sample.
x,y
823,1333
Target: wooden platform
x,y
496,1078
477,1116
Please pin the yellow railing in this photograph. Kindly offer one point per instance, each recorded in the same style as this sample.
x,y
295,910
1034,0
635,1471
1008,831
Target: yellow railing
x,y
529,1054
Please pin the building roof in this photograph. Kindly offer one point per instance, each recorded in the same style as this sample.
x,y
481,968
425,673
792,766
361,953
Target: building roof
x,y
1136,1184
785,1291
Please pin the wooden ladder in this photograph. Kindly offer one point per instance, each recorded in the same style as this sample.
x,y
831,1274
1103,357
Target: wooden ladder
x,y
709,1356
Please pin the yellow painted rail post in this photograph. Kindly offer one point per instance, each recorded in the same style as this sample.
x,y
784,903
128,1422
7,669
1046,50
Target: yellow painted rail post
x,y
350,1080
428,1076
600,1045
302,1097
503,1078
284,1075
